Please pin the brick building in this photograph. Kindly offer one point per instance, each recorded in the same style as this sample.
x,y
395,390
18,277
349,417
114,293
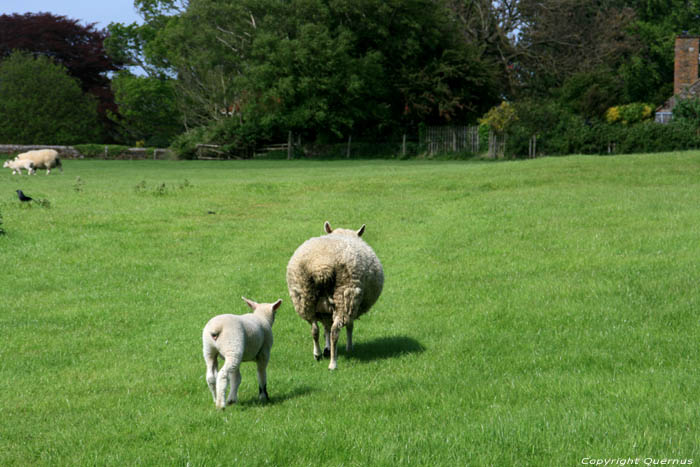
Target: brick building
x,y
685,75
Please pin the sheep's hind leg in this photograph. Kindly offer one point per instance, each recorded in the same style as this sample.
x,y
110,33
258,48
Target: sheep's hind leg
x,y
314,335
347,302
337,324
327,337
348,331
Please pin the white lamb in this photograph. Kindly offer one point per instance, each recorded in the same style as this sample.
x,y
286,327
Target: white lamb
x,y
238,338
42,159
334,279
18,165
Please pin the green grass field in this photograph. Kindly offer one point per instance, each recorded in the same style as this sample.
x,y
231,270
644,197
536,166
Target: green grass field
x,y
538,312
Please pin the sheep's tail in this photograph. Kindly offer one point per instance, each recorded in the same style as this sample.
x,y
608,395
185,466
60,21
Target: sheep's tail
x,y
214,331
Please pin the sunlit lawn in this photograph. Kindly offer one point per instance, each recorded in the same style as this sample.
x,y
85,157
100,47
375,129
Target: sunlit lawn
x,y
535,312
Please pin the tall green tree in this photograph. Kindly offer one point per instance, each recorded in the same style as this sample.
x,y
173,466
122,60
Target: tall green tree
x,y
147,109
562,38
325,67
41,104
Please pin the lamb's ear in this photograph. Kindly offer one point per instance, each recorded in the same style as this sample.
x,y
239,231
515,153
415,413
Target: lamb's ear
x,y
361,231
250,303
327,227
276,304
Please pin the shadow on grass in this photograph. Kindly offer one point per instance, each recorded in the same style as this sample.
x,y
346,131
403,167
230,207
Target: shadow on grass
x,y
277,397
384,347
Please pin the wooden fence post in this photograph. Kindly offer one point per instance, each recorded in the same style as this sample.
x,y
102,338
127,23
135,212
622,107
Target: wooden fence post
x,y
403,145
289,145
347,153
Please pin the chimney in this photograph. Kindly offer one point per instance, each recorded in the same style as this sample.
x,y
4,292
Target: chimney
x,y
686,62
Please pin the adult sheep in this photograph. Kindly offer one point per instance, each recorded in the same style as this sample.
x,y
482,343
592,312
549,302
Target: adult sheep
x,y
334,279
42,159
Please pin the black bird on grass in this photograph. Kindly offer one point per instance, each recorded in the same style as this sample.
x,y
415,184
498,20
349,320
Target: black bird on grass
x,y
22,197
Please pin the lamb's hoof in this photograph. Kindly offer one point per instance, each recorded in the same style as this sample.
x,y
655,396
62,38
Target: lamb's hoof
x,y
332,366
230,402
317,357
326,353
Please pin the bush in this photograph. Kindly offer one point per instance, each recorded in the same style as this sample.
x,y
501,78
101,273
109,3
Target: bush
x,y
41,104
560,132
687,110
185,144
629,113
235,139
97,151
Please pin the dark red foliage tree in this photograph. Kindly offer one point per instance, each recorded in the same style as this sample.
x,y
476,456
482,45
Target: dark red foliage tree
x,y
77,47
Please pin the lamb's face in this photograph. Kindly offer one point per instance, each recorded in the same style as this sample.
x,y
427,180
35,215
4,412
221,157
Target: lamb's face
x,y
6,164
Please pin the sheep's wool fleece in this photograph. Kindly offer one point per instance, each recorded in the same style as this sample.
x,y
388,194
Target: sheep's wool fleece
x,y
329,265
241,335
42,158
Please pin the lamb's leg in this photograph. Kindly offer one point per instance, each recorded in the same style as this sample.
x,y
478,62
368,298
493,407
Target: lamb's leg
x,y
222,379
262,377
229,372
212,366
314,335
235,382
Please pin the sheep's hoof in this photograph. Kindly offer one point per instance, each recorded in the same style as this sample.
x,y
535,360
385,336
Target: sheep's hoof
x,y
326,353
332,366
317,357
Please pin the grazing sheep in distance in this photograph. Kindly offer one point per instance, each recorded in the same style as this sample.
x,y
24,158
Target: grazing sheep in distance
x,y
334,279
238,338
18,165
42,159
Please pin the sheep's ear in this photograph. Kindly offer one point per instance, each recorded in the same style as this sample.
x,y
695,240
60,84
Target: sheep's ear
x,y
361,231
276,304
250,303
327,227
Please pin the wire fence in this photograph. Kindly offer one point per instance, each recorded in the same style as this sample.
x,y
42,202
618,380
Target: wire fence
x,y
430,141
445,139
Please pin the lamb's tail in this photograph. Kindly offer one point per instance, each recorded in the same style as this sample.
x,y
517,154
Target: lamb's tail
x,y
213,331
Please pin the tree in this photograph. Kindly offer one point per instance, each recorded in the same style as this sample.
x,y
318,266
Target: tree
x,y
491,27
328,68
41,104
79,48
560,38
147,109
